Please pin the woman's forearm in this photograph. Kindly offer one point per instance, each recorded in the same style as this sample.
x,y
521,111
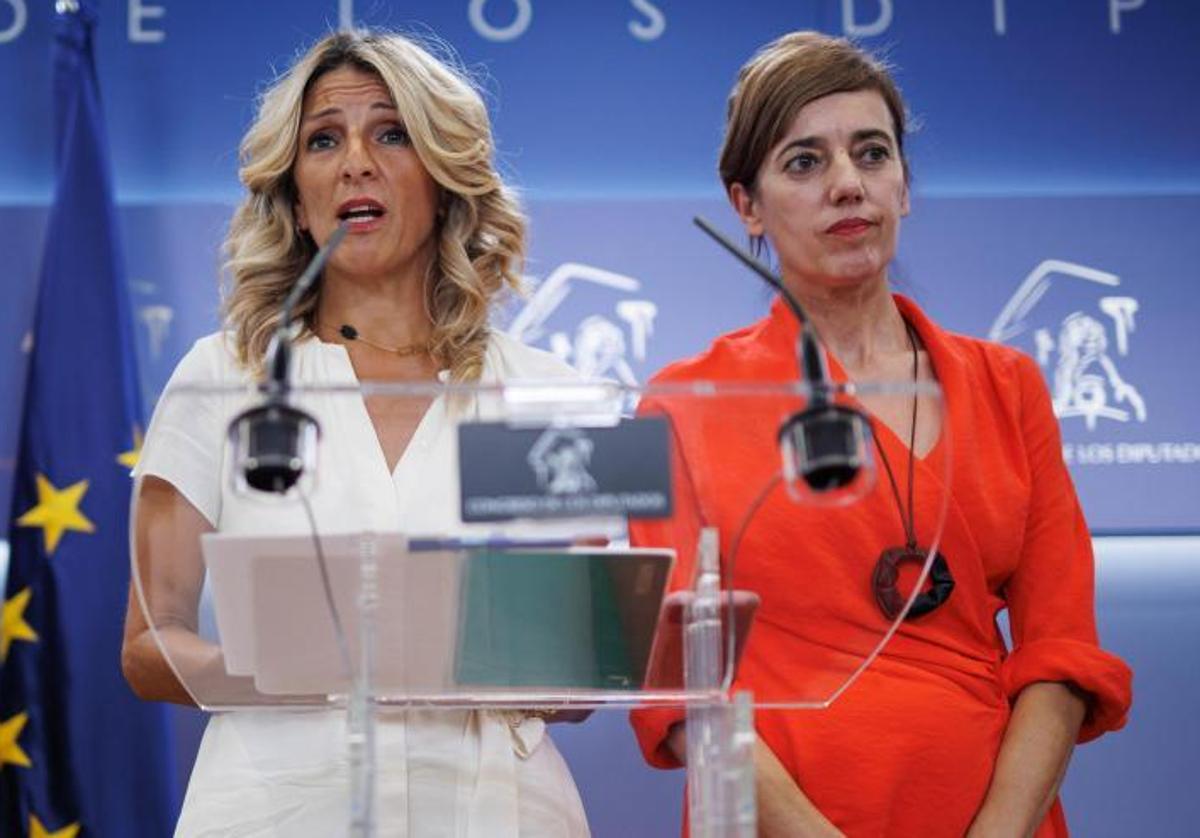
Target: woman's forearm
x,y
1033,760
783,808
148,672
784,811
200,665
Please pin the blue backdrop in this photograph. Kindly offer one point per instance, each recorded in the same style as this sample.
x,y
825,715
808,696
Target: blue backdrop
x,y
1057,186
1056,150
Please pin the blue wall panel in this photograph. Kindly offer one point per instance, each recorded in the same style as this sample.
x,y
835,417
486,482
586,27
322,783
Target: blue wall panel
x,y
1056,163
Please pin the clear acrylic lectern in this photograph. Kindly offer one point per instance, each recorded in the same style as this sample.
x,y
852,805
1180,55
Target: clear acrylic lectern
x,y
532,548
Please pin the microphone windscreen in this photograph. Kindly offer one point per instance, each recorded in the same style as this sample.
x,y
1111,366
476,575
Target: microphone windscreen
x,y
826,453
274,445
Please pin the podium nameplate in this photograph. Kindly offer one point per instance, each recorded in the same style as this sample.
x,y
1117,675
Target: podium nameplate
x,y
509,472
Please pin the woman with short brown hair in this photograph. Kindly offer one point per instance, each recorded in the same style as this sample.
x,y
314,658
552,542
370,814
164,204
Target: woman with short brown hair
x,y
947,732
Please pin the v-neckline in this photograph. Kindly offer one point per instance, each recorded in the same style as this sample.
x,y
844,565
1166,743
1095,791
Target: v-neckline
x,y
783,325
838,373
416,440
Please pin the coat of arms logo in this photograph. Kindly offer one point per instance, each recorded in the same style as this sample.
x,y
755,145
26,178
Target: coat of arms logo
x,y
1083,351
560,458
608,342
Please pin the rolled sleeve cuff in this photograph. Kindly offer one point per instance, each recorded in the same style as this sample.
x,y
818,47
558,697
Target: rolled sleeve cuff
x,y
652,726
1105,678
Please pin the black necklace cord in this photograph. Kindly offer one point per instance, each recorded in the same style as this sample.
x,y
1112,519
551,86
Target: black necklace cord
x,y
912,438
907,517
885,576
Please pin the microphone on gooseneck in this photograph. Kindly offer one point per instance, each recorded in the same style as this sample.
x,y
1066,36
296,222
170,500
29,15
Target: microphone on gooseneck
x,y
274,442
827,445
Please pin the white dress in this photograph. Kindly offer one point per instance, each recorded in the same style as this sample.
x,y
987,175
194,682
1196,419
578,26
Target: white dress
x,y
450,773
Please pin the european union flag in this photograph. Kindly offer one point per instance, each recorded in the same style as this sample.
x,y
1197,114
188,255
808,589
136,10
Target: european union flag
x,y
79,755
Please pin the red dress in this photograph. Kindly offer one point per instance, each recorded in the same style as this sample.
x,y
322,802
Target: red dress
x,y
909,748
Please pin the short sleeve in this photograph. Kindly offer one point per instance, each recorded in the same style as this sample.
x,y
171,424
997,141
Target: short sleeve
x,y
185,442
680,532
1051,593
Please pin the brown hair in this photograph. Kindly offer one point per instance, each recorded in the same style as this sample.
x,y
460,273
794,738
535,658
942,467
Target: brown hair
x,y
783,77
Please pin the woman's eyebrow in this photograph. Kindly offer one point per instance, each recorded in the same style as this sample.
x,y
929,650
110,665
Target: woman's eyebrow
x,y
381,105
871,134
802,142
858,136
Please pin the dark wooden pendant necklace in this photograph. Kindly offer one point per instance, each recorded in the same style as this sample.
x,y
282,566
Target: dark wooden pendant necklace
x,y
886,575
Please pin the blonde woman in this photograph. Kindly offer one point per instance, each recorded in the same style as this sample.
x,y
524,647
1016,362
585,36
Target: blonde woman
x,y
373,131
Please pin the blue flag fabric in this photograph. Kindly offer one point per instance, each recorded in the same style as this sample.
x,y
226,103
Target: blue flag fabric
x,y
79,754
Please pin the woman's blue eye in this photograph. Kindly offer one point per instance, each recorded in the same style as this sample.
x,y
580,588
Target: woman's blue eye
x,y
394,136
801,163
876,154
320,140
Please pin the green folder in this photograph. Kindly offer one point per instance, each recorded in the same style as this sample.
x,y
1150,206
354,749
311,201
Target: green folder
x,y
559,619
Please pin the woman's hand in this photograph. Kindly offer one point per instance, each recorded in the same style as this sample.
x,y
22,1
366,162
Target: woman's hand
x,y
570,716
1033,760
783,809
170,574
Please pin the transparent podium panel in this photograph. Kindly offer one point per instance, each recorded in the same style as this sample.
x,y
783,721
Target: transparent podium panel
x,y
827,529
536,545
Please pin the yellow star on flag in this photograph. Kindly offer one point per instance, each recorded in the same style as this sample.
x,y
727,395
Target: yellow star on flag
x,y
12,622
10,749
57,510
129,459
36,830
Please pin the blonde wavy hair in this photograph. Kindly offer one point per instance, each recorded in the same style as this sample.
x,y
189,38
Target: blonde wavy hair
x,y
481,232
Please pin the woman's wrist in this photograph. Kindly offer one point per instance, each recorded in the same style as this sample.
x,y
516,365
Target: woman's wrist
x,y
1032,761
994,820
676,742
784,810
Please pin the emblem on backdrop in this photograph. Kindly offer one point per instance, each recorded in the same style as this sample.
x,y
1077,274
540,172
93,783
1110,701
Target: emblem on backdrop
x,y
1081,340
156,318
595,320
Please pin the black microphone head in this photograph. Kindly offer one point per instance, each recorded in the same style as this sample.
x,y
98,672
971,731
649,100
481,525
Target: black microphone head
x,y
274,446
826,453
